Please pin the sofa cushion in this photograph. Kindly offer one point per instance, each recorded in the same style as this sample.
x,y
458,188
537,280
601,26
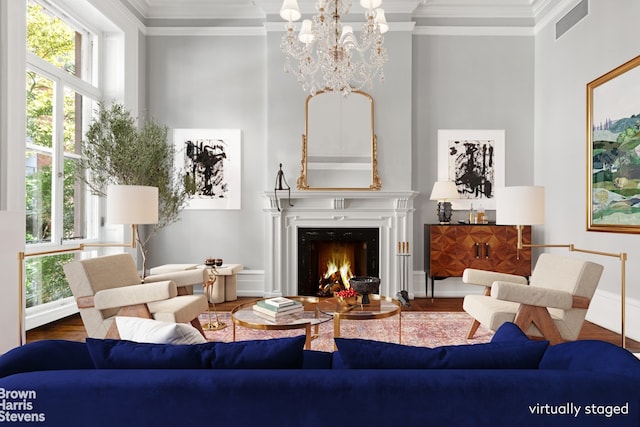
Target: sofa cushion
x,y
139,329
47,355
589,355
506,351
281,353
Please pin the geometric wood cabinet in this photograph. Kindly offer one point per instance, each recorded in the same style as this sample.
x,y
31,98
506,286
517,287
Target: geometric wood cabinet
x,y
449,249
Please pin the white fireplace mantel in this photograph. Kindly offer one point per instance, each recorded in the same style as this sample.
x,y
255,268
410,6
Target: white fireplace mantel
x,y
389,211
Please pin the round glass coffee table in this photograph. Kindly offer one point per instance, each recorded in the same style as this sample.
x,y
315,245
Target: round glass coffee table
x,y
380,307
245,315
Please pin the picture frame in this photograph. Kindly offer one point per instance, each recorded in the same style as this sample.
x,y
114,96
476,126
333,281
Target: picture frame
x,y
474,160
613,145
209,162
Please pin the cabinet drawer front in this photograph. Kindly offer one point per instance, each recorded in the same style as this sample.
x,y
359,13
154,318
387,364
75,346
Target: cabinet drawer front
x,y
444,261
453,248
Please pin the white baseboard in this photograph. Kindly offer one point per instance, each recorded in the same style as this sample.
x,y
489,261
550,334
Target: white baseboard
x,y
606,310
251,284
50,312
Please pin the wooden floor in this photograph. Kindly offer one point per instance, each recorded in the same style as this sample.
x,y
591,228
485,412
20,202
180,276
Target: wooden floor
x,y
71,328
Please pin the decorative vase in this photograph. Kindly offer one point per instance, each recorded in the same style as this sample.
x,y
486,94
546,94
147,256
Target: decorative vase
x,y
365,285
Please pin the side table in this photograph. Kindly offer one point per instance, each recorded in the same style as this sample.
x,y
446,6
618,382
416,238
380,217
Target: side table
x,y
225,288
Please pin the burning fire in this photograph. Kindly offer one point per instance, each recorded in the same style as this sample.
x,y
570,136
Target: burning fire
x,y
344,269
336,277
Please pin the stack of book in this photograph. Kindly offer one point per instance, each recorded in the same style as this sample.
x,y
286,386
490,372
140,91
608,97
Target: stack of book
x,y
278,307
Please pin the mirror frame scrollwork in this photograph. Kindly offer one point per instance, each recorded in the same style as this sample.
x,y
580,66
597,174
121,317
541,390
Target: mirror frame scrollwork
x,y
303,179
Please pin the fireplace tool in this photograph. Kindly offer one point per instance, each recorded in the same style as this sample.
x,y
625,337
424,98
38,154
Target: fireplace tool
x,y
208,286
403,255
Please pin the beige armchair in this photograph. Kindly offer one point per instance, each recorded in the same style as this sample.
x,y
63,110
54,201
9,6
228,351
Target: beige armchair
x,y
108,286
553,305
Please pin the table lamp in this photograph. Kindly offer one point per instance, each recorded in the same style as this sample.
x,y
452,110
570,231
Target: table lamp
x,y
443,191
524,205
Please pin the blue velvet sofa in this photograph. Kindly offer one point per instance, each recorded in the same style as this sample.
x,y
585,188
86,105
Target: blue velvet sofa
x,y
510,381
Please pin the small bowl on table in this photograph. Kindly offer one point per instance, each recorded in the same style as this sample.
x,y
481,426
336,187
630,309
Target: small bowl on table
x,y
365,285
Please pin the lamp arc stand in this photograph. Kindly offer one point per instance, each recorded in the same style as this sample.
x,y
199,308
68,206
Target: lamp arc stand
x,y
622,256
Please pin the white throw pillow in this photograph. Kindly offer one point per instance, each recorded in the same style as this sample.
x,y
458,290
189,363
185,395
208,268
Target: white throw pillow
x,y
154,331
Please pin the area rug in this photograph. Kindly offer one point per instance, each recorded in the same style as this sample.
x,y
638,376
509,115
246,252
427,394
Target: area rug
x,y
423,329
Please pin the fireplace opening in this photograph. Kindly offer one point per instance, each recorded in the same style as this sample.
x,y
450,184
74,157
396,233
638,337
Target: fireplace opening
x,y
328,257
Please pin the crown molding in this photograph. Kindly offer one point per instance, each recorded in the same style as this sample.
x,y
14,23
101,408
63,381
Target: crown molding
x,y
206,31
444,30
481,9
432,16
197,9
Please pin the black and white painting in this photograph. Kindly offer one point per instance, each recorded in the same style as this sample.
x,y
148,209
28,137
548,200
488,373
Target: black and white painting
x,y
209,163
474,160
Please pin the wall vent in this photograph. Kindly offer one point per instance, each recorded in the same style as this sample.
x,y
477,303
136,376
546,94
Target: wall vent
x,y
572,18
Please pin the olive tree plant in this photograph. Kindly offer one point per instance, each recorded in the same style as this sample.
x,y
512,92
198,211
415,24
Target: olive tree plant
x,y
117,151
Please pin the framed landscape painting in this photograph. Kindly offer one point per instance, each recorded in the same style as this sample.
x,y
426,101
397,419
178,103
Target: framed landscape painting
x,y
613,147
474,161
209,162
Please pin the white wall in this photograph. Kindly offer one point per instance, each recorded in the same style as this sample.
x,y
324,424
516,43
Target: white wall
x,y
469,81
12,119
213,82
431,82
238,82
603,40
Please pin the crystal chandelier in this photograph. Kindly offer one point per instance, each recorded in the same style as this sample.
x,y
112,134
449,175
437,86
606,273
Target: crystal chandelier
x,y
329,55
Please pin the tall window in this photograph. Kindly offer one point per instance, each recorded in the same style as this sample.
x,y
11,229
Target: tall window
x,y
60,98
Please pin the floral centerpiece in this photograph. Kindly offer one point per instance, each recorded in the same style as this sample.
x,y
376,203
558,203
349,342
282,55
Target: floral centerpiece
x,y
347,296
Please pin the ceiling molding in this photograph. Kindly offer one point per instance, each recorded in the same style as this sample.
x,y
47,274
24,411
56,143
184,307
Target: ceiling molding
x,y
443,30
445,13
206,31
272,7
197,9
474,9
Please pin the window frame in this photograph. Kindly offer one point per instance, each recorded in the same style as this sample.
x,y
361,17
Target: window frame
x,y
91,93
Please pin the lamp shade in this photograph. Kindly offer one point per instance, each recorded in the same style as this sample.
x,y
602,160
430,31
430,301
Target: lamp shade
x,y
520,205
290,10
381,20
306,35
132,204
444,190
370,4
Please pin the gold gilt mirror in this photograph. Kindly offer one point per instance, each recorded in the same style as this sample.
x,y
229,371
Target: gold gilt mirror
x,y
339,143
